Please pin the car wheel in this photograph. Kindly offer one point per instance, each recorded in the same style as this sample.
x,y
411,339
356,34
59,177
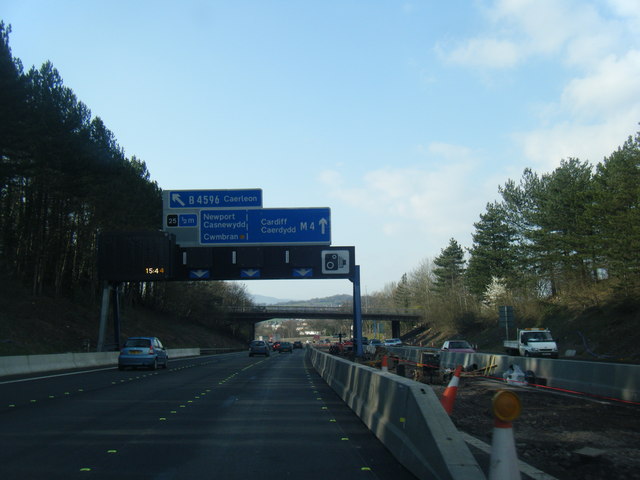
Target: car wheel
x,y
120,367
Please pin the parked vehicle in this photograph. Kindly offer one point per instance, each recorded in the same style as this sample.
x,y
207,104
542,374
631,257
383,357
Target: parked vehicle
x,y
297,344
459,346
285,347
532,342
393,342
143,352
259,347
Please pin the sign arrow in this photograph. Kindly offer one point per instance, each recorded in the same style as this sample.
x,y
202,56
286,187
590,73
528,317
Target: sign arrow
x,y
251,273
323,225
199,274
176,198
302,272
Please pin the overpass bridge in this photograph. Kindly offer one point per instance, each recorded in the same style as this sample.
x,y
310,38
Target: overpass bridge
x,y
257,314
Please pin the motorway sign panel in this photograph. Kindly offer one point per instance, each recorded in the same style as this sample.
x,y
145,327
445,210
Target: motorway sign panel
x,y
274,226
269,262
190,199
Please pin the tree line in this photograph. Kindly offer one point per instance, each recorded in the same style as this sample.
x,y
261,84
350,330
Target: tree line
x,y
63,180
569,237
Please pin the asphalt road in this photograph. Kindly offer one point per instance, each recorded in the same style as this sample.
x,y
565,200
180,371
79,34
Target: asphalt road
x,y
217,417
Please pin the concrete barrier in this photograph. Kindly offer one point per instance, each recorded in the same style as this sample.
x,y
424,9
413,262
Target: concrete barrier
x,y
406,416
27,364
611,380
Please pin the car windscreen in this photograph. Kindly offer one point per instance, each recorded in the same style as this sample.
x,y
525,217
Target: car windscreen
x,y
138,342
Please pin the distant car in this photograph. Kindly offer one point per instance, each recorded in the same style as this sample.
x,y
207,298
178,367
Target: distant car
x,y
285,347
143,352
393,342
275,346
459,346
375,342
259,347
297,344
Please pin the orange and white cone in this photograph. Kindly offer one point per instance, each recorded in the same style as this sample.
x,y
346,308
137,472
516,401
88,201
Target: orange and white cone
x,y
504,459
385,366
449,395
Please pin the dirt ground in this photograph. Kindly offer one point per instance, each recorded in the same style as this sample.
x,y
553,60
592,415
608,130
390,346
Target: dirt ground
x,y
553,429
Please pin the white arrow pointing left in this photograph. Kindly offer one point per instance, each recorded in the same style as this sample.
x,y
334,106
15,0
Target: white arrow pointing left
x,y
176,198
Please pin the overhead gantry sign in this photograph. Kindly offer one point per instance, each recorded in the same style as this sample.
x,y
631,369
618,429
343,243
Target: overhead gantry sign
x,y
225,235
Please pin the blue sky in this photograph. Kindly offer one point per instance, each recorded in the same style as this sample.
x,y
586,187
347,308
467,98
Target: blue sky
x,y
403,117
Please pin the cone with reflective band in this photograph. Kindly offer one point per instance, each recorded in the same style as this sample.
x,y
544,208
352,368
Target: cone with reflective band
x,y
385,366
449,395
504,459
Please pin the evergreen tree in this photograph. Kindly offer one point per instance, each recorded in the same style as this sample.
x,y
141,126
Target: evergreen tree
x,y
450,265
616,214
562,237
492,254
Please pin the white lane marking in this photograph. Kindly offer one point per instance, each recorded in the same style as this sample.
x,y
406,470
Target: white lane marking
x,y
56,375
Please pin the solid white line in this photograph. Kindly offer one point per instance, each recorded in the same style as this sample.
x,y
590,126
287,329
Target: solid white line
x,y
524,467
56,375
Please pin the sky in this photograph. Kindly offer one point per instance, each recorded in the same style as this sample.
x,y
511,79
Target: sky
x,y
402,117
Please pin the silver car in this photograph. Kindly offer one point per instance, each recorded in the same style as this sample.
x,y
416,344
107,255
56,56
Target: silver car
x,y
259,347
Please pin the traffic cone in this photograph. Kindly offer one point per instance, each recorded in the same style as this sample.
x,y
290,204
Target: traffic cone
x,y
385,366
504,460
449,395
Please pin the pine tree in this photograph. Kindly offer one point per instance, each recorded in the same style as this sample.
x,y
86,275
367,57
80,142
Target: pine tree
x,y
493,250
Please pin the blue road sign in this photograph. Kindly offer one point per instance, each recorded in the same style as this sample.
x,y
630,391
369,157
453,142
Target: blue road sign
x,y
215,198
188,220
283,226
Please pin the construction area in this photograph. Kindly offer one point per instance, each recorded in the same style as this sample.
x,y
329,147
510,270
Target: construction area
x,y
564,435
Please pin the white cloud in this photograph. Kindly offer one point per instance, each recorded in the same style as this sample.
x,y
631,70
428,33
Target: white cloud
x,y
440,200
611,89
546,147
519,29
486,52
596,45
594,115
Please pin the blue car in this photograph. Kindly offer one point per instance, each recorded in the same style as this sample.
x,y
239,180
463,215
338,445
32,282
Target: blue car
x,y
143,352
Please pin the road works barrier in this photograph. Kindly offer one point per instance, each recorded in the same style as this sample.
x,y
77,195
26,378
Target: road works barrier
x,y
600,379
406,416
27,364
